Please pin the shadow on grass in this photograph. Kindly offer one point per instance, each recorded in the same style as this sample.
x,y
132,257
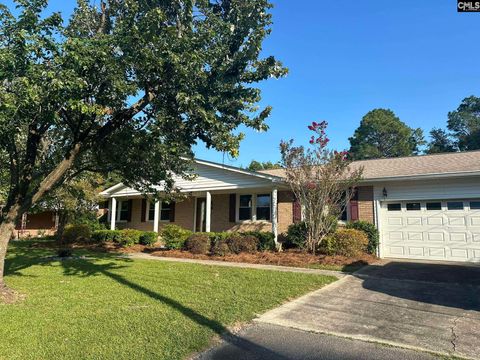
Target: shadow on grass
x,y
87,267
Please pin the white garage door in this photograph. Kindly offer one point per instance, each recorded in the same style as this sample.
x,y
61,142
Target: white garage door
x,y
431,230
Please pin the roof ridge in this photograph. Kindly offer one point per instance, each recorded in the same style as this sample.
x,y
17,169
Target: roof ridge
x,y
420,156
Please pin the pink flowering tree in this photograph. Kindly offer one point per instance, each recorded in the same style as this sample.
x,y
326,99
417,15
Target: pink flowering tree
x,y
322,180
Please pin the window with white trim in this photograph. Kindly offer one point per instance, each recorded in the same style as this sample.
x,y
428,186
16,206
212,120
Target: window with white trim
x,y
165,209
122,210
263,205
245,207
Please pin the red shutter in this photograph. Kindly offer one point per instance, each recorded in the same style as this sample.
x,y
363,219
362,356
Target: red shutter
x,y
172,211
129,216
232,209
144,209
353,210
297,211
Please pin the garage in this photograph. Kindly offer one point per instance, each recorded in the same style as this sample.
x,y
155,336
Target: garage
x,y
431,229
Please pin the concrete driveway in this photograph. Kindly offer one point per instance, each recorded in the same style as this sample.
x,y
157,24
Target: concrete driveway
x,y
423,306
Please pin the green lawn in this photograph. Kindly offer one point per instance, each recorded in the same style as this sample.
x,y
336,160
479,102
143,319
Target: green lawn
x,y
109,308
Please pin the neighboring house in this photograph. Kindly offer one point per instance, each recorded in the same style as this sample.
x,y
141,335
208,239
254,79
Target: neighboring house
x,y
426,207
37,224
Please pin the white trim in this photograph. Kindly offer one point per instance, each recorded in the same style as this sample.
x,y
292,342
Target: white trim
x,y
253,214
195,214
274,213
208,212
113,213
156,215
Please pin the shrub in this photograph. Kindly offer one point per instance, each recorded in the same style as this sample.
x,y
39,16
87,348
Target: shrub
x,y
198,243
128,237
218,236
238,243
296,236
76,233
370,230
266,239
174,236
220,248
346,242
148,238
101,236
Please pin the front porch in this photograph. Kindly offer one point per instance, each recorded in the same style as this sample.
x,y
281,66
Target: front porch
x,y
254,209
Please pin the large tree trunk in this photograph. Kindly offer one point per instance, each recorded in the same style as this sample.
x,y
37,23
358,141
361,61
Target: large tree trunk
x,y
62,222
7,230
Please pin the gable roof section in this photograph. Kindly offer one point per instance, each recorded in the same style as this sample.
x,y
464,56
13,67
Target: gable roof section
x,y
210,176
436,165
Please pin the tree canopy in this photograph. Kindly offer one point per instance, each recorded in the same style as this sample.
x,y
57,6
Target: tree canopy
x,y
464,123
126,87
259,165
440,142
382,134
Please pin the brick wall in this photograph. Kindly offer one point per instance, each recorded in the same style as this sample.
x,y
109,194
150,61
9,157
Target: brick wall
x,y
365,203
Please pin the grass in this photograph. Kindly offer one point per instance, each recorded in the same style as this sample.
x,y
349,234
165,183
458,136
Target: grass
x,y
102,307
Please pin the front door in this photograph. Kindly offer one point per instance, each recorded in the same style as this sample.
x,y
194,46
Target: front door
x,y
200,215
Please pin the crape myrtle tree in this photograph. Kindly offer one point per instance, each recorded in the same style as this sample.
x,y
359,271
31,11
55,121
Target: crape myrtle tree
x,y
125,87
322,180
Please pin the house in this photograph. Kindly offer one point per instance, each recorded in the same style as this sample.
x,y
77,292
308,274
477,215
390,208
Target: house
x,y
36,224
425,207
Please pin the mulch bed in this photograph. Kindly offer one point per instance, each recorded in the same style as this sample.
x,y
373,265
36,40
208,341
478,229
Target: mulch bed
x,y
285,258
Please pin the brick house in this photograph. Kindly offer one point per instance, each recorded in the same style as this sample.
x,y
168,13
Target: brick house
x,y
425,207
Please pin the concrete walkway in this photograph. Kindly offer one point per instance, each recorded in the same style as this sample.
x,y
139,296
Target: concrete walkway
x,y
144,256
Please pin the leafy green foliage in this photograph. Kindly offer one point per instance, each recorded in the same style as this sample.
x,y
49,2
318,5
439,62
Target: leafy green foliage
x,y
198,243
296,236
370,230
148,238
102,236
220,248
345,242
122,79
239,243
464,123
266,239
382,134
128,237
440,142
267,165
174,236
77,233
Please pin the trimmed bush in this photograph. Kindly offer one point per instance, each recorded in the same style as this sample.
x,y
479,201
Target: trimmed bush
x,y
296,236
266,239
101,236
128,237
346,242
148,238
174,236
76,233
198,243
242,243
220,248
370,230
218,236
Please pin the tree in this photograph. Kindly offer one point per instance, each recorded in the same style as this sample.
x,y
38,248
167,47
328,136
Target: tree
x,y
464,123
381,134
127,87
440,143
322,180
256,165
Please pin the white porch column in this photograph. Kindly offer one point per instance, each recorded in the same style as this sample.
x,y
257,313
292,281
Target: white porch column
x,y
208,211
113,215
274,214
156,216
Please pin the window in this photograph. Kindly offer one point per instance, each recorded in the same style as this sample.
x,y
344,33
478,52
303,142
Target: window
x,y
263,207
245,207
165,210
474,205
413,206
434,206
394,207
123,211
455,205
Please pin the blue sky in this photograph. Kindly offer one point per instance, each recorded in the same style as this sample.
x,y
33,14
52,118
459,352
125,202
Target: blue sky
x,y
418,58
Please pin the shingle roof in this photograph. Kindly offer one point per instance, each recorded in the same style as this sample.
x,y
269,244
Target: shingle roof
x,y
461,162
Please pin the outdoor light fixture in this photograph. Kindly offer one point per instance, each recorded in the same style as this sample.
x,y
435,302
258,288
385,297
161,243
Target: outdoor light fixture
x,y
385,193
